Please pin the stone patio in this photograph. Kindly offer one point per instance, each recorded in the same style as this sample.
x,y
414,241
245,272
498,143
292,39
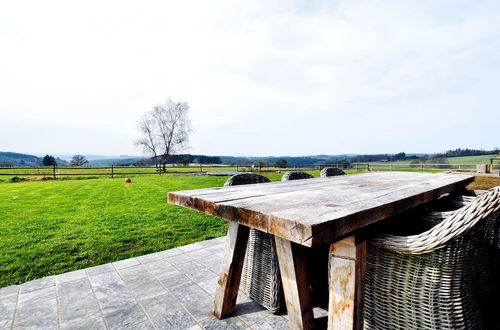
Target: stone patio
x,y
172,289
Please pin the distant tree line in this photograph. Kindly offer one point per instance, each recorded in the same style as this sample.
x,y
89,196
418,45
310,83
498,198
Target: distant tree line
x,y
469,152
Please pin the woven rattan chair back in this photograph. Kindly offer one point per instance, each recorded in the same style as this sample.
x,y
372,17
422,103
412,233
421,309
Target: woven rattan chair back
x,y
427,281
331,171
260,277
296,175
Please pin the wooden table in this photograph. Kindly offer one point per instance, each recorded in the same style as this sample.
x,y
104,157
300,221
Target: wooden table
x,y
306,213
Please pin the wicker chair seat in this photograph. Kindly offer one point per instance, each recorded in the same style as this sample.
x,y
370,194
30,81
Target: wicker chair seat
x,y
296,175
331,171
260,277
427,281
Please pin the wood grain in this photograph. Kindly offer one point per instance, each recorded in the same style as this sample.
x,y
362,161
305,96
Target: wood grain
x,y
346,284
316,211
293,268
230,275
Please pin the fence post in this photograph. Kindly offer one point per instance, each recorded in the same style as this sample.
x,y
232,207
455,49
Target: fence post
x,y
54,171
112,171
422,167
368,167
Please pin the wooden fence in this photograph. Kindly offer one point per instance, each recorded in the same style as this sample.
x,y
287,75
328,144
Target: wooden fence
x,y
113,171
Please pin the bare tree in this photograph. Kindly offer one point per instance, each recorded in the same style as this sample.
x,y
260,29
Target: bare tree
x,y
148,140
78,160
165,130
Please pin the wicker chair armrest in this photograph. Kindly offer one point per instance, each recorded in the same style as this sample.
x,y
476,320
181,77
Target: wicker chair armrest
x,y
455,224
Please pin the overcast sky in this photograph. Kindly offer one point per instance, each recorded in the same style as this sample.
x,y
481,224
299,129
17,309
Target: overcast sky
x,y
261,77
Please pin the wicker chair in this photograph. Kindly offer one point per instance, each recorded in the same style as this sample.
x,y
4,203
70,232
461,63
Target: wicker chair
x,y
428,280
331,171
260,278
296,175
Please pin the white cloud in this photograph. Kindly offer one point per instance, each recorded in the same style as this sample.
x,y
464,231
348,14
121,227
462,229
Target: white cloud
x,y
261,78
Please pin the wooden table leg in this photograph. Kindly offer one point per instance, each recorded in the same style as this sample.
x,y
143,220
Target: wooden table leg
x,y
292,261
232,265
346,284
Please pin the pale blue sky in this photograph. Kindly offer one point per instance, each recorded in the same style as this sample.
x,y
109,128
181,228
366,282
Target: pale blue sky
x,y
262,78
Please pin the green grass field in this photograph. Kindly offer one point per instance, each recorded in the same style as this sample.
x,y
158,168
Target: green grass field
x,y
51,227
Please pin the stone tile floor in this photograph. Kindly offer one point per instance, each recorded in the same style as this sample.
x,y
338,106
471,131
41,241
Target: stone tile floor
x,y
171,289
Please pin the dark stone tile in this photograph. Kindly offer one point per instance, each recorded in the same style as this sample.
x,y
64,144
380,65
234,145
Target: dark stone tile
x,y
134,273
271,322
201,309
209,285
230,323
203,274
118,289
124,318
251,312
199,254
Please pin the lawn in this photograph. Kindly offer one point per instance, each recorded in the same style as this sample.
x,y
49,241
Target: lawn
x,y
51,227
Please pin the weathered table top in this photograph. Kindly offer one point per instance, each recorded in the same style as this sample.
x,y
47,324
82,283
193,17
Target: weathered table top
x,y
316,211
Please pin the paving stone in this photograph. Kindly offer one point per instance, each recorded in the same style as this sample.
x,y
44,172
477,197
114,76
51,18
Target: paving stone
x,y
43,309
124,318
271,322
41,283
143,326
215,267
195,327
7,308
114,303
190,247
9,291
40,323
251,312
201,309
150,257
172,283
174,319
125,263
179,259
203,274
171,252
160,305
117,289
189,267
209,285
72,317
75,293
189,293
35,297
230,323
145,288
105,278
134,273
210,260
90,324
71,276
198,254
165,271
100,269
